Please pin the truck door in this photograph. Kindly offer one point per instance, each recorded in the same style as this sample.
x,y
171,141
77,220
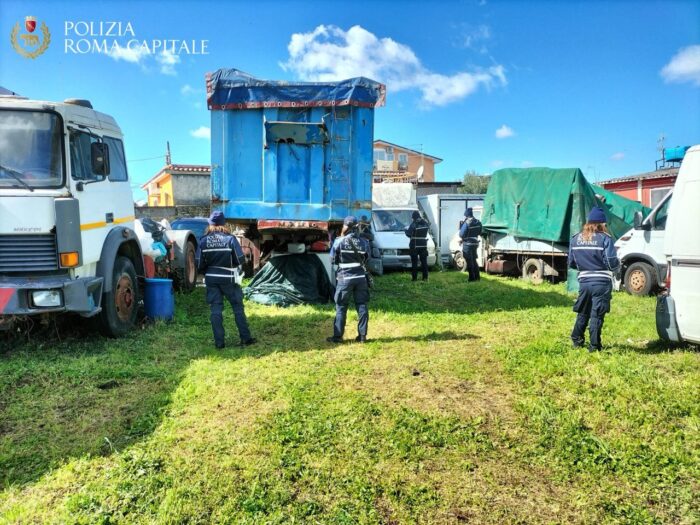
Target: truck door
x,y
105,200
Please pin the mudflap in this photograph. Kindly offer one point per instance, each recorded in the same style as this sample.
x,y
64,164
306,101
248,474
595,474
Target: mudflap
x,y
666,324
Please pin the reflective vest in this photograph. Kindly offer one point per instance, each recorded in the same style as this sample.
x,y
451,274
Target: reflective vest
x,y
470,231
418,233
350,253
220,258
596,259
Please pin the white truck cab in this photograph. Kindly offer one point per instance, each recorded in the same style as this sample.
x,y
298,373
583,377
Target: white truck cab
x,y
67,240
641,251
678,310
393,204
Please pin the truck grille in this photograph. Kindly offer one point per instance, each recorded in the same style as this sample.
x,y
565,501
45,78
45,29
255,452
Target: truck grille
x,y
28,253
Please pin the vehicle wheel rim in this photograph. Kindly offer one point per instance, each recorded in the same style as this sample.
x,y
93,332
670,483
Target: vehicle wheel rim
x,y
124,298
533,273
191,270
637,280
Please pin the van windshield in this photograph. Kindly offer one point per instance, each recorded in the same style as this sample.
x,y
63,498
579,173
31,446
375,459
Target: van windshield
x,y
30,149
391,220
661,215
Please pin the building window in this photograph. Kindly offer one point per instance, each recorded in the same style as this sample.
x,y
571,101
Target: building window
x,y
403,161
656,195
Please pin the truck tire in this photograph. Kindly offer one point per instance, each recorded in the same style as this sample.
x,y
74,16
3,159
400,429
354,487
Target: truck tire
x,y
459,262
533,271
186,278
120,306
639,279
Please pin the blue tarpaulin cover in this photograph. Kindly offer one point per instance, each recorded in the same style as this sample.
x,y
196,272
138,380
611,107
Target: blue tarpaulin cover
x,y
234,89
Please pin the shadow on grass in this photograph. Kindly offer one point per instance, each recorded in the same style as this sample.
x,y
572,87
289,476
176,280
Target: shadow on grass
x,y
659,346
66,392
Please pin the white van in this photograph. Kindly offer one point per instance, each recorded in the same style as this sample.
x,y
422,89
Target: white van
x,y
641,251
393,204
678,311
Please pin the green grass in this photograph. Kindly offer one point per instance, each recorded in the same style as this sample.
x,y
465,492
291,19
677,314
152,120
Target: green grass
x,y
467,406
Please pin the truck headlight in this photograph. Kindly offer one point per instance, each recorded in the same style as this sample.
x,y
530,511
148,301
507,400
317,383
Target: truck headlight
x,y
47,298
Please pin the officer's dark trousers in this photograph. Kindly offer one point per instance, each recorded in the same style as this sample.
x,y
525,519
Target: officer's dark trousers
x,y
592,304
215,298
360,291
469,253
422,254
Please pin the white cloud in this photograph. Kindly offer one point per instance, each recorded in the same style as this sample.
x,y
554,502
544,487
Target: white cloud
x,y
129,54
497,163
474,38
684,66
168,60
504,132
617,156
330,53
202,132
189,90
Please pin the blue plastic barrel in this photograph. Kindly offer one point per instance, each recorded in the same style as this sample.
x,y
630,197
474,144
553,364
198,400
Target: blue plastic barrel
x,y
159,299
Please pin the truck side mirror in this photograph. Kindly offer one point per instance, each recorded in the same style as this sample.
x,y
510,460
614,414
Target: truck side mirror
x,y
99,156
638,218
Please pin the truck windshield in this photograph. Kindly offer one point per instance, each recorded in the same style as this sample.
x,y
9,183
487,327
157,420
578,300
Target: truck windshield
x,y
30,149
391,220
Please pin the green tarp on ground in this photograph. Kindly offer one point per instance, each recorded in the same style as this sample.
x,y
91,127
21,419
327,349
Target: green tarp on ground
x,y
551,204
291,279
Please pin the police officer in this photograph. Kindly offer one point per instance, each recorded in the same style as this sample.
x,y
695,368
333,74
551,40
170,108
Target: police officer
x,y
593,254
220,258
469,231
350,252
417,231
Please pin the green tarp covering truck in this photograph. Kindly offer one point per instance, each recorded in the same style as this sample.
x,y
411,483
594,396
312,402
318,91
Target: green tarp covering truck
x,y
530,214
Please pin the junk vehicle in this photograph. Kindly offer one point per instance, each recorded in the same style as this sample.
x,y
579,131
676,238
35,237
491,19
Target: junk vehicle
x,y
641,251
678,310
67,237
445,211
290,160
393,204
530,214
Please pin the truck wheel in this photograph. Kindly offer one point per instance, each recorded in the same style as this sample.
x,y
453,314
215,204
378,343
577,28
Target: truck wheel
x,y
533,271
186,278
639,279
459,262
120,306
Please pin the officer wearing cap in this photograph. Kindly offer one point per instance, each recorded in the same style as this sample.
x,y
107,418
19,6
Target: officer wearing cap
x,y
220,259
469,231
593,254
417,231
350,253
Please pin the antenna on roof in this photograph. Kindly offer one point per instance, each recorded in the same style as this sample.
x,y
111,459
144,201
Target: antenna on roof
x,y
168,160
661,163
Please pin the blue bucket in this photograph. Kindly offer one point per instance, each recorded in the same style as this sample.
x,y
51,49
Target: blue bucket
x,y
159,299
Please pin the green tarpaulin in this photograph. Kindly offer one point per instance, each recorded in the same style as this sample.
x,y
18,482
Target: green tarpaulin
x,y
551,204
290,279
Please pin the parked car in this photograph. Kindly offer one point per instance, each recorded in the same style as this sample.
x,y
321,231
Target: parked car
x,y
196,225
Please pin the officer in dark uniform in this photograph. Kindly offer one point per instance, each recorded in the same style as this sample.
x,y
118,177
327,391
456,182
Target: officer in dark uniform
x,y
469,231
350,252
220,258
417,231
593,254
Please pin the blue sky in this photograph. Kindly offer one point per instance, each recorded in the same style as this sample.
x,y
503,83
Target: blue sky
x,y
481,84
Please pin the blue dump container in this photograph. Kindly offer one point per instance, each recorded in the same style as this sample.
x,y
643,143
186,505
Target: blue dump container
x,y
298,151
159,299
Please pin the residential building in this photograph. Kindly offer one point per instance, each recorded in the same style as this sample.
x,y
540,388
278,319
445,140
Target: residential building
x,y
181,185
647,188
402,164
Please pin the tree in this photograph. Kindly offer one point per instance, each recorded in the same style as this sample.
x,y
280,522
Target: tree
x,y
473,182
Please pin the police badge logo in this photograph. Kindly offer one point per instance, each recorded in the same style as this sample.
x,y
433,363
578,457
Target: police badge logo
x,y
29,45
